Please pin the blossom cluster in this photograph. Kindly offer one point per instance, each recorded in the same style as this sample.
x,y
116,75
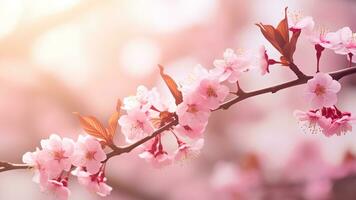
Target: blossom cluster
x,y
321,92
201,94
60,157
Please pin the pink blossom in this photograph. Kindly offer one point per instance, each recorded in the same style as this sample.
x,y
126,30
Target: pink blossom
x,y
232,66
297,22
347,42
59,154
143,99
322,90
329,121
213,92
193,110
309,121
94,183
135,125
193,130
58,189
37,160
88,154
155,154
339,126
186,151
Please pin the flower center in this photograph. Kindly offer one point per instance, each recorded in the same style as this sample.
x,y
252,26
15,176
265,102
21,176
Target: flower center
x,y
90,155
59,155
319,90
192,108
138,125
211,92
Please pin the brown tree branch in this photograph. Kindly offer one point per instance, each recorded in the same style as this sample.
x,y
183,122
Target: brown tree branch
x,y
6,166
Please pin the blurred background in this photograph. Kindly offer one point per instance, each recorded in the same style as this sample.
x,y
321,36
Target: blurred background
x,y
57,57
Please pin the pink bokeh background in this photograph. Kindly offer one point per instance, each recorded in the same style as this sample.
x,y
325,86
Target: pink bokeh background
x,y
57,57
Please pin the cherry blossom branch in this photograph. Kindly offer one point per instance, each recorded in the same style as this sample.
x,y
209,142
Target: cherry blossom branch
x,y
6,166
337,75
116,150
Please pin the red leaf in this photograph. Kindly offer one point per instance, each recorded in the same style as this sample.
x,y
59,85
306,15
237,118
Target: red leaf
x,y
173,87
283,27
268,32
93,127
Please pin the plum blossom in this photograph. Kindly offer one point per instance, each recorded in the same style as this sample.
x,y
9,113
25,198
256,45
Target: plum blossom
x,y
193,110
322,90
232,65
135,125
213,92
94,183
88,154
186,151
59,154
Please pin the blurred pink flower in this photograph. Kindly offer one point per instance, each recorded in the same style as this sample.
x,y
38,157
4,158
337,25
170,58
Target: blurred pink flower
x,y
88,154
322,90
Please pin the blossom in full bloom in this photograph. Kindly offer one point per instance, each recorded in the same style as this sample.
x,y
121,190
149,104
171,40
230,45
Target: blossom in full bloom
x,y
59,154
95,183
89,154
135,125
186,151
213,92
322,90
232,65
193,110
